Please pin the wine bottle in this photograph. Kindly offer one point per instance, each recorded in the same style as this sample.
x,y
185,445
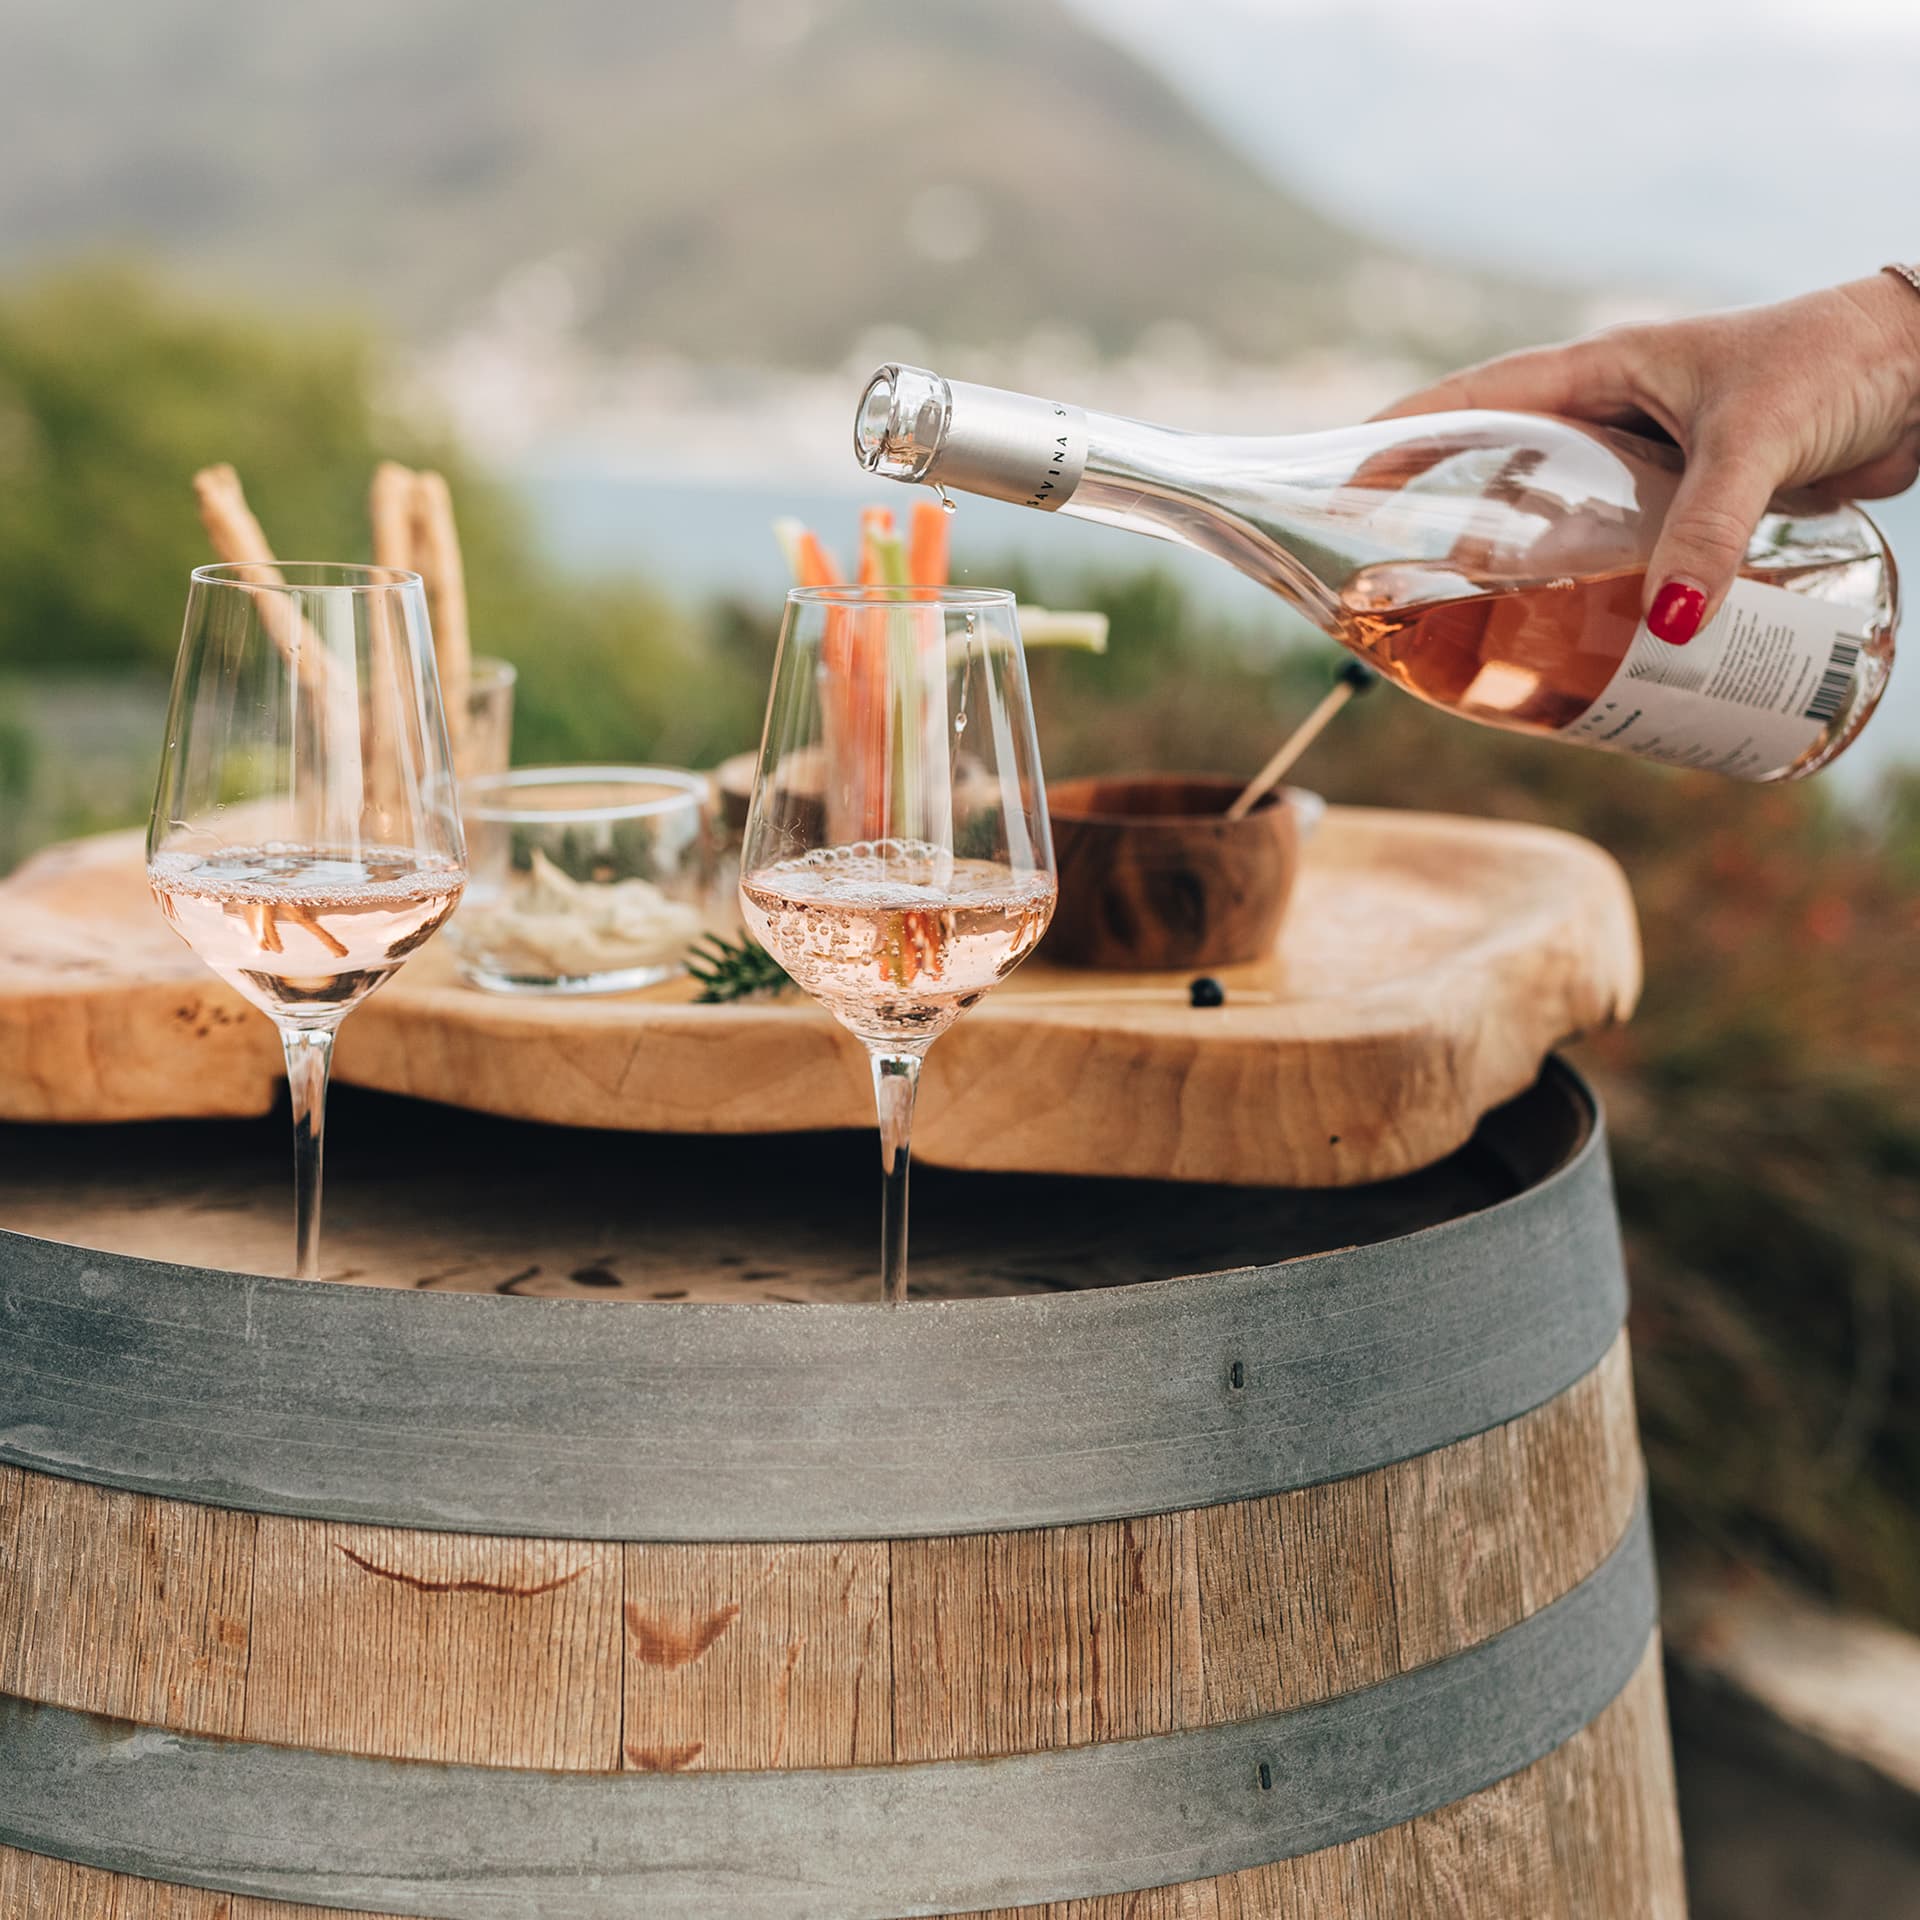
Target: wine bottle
x,y
1489,563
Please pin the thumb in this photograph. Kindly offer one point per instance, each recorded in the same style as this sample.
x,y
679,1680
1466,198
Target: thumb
x,y
1722,494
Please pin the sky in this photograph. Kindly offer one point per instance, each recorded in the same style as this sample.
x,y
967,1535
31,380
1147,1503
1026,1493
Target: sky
x,y
1664,155
1689,146
1873,17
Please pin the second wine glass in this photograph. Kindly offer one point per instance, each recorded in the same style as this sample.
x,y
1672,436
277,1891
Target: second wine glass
x,y
306,832
897,859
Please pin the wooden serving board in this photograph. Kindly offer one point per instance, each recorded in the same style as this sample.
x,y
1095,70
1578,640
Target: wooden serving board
x,y
1428,966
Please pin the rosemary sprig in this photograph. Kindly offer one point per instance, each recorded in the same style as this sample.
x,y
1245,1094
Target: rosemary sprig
x,y
734,969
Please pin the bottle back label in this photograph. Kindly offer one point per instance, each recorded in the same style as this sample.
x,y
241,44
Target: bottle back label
x,y
1747,696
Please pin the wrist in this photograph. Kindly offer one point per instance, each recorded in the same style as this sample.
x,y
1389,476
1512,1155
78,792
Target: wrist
x,y
1892,299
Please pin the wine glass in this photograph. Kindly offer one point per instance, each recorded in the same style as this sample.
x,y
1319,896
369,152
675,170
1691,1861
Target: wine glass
x,y
306,831
897,860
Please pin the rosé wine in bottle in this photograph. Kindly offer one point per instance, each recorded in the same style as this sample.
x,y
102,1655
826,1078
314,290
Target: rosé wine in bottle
x,y
304,932
1489,563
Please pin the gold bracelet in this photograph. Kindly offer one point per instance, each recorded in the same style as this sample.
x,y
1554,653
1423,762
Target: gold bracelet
x,y
1911,275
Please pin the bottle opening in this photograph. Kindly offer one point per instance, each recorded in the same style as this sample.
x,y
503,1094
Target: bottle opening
x,y
902,421
873,426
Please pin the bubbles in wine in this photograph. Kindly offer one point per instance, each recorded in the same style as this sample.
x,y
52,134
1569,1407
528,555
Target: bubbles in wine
x,y
896,937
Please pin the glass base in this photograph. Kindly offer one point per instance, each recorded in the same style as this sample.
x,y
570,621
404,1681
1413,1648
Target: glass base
x,y
621,980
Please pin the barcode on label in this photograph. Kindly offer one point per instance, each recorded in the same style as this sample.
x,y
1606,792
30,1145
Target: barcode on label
x,y
1831,694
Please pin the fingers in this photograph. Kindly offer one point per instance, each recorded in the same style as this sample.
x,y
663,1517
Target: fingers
x,y
1722,494
1589,379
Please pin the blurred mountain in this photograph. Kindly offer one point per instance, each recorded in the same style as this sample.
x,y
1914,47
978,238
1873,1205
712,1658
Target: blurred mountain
x,y
1713,150
755,180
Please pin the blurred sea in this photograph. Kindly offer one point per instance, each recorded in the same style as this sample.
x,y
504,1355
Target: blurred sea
x,y
701,538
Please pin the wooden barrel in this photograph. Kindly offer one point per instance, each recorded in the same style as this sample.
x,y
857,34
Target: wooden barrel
x,y
1313,1584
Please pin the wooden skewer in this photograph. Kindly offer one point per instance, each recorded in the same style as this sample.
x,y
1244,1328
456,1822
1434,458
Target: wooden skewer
x,y
436,551
1354,678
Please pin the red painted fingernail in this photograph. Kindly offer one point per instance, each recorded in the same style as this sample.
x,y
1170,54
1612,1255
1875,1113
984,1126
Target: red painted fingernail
x,y
1675,614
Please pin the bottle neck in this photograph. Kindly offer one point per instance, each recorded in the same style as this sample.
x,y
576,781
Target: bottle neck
x,y
1012,446
1191,488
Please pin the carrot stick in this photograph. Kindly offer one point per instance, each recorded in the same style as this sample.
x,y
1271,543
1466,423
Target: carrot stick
x,y
889,559
815,564
876,525
928,563
851,710
883,563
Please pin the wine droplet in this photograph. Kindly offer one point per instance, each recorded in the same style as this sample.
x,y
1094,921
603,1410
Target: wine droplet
x,y
948,504
960,722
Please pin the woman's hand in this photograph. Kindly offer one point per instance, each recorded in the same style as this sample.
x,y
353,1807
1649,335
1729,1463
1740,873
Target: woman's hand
x,y
1821,393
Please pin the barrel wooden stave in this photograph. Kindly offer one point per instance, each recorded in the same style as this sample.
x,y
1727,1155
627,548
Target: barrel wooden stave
x,y
361,1645
535,1653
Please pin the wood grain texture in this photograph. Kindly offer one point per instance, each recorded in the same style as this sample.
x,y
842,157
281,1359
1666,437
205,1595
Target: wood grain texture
x,y
1020,1642
462,1203
1427,967
743,1657
112,1603
435,1646
535,1653
1587,1833
1154,875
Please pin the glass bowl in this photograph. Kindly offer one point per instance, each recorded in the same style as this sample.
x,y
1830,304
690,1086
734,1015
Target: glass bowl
x,y
582,879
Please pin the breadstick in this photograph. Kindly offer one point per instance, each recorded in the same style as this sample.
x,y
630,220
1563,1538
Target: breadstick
x,y
390,507
436,546
236,536
239,540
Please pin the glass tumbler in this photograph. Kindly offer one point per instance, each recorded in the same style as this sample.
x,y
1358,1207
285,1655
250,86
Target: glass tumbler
x,y
582,879
483,735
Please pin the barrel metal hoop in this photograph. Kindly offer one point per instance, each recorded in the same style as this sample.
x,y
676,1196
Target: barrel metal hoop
x,y
863,1843
610,1421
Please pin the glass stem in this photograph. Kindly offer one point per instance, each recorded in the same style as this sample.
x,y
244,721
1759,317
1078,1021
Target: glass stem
x,y
309,1053
896,1079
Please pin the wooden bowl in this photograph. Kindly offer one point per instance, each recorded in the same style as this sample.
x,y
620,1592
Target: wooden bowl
x,y
799,803
1154,876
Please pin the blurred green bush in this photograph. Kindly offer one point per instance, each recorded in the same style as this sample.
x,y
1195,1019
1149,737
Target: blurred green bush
x,y
112,393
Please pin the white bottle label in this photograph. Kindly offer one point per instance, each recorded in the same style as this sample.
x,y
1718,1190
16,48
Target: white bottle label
x,y
1747,695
